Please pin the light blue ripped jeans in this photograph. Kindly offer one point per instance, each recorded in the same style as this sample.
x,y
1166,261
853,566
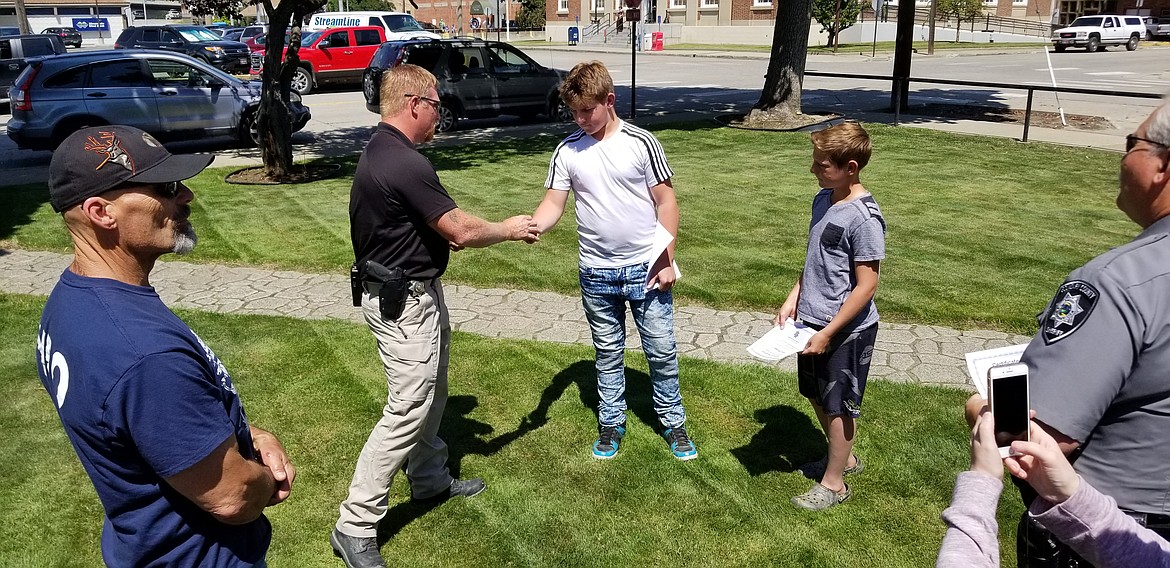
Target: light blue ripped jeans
x,y
604,293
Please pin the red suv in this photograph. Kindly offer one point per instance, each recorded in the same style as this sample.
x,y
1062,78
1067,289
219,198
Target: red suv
x,y
333,55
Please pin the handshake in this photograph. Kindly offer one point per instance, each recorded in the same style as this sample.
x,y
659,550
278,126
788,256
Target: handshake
x,y
522,228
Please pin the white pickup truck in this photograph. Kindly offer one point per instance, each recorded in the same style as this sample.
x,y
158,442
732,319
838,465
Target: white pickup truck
x,y
1095,32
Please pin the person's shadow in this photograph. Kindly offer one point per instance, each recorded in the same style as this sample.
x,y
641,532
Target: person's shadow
x,y
583,373
466,436
463,436
787,439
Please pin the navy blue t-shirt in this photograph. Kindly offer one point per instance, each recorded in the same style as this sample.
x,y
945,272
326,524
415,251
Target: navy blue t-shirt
x,y
142,398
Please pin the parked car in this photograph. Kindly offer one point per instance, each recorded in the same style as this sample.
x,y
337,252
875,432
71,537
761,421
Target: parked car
x,y
477,79
234,34
1094,33
332,55
1156,28
138,14
173,14
16,51
69,36
169,95
9,31
223,31
196,41
253,31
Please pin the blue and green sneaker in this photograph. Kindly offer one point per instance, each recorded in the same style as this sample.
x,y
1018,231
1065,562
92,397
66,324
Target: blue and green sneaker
x,y
608,442
680,444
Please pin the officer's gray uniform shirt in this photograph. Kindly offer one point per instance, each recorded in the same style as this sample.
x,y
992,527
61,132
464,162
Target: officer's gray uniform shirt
x,y
1100,369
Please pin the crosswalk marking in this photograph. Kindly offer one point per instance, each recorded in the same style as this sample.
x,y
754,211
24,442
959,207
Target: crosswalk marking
x,y
1112,73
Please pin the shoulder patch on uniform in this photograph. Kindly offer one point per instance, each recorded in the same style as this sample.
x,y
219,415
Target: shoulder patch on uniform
x,y
1070,307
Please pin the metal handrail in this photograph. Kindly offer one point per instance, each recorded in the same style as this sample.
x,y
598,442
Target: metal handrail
x,y
900,85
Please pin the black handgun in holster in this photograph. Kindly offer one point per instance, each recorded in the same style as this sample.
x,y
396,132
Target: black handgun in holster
x,y
392,289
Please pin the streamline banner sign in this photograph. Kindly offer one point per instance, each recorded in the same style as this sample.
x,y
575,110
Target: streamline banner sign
x,y
91,24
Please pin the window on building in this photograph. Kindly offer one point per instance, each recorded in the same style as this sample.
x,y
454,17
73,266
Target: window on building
x,y
678,3
562,5
762,3
710,3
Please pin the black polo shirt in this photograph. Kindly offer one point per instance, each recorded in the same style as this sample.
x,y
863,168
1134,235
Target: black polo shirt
x,y
396,194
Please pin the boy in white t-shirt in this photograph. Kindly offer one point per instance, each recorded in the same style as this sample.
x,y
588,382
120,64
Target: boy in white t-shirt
x,y
621,181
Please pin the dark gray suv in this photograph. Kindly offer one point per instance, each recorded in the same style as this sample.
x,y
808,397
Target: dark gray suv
x,y
477,79
196,41
169,95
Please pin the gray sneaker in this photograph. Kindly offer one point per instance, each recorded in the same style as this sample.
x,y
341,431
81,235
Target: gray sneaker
x,y
356,552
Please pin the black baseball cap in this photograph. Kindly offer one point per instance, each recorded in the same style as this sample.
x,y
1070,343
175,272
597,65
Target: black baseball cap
x,y
97,159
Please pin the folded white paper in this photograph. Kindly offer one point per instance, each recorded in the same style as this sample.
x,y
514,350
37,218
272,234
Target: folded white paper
x,y
662,239
978,362
781,342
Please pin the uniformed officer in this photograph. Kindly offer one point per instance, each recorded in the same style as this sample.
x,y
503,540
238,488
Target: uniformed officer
x,y
401,217
1100,365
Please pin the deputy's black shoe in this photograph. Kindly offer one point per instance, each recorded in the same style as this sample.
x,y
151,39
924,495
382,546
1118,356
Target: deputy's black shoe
x,y
458,488
466,487
356,552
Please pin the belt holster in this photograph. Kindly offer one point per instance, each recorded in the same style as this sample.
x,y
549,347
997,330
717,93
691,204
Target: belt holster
x,y
392,289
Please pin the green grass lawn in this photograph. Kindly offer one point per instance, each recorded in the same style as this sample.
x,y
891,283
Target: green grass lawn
x,y
981,230
522,415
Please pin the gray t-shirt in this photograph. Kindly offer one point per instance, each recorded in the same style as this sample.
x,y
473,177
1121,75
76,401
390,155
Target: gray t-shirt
x,y
1100,369
839,235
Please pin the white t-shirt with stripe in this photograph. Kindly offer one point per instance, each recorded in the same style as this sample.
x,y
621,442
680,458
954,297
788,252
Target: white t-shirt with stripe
x,y
611,181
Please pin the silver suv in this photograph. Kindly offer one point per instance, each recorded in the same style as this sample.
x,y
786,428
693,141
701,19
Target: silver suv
x,y
169,95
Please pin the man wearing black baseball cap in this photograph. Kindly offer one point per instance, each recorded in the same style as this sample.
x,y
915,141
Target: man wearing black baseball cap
x,y
150,410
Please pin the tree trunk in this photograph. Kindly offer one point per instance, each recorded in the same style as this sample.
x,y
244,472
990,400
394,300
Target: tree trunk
x,y
273,119
780,98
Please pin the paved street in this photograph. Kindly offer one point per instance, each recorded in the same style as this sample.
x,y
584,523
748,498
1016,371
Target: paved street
x,y
904,353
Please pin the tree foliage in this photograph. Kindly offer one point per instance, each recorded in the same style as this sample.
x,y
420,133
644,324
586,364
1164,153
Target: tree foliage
x,y
825,14
363,5
531,14
272,118
960,10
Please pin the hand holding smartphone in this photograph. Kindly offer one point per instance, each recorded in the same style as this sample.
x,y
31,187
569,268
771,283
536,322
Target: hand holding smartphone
x,y
1007,390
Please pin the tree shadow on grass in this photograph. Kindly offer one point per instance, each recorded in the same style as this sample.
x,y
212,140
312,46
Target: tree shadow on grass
x,y
787,439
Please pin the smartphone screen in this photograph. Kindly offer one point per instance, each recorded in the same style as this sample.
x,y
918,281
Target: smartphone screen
x,y
1009,406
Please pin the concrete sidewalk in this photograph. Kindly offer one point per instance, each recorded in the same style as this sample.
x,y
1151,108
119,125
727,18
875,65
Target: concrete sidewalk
x,y
905,353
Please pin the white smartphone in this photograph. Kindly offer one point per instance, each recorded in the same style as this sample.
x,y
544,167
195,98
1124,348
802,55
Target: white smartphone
x,y
1007,391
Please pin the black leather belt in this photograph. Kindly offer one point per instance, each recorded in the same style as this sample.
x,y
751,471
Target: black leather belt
x,y
414,288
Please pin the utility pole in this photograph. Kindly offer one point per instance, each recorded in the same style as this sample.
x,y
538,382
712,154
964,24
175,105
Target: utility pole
x,y
930,35
22,18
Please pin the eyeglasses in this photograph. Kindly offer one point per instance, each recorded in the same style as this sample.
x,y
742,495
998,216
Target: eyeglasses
x,y
434,102
1132,140
166,190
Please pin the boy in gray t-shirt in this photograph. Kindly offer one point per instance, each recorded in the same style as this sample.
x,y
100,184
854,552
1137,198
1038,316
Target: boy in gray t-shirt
x,y
834,295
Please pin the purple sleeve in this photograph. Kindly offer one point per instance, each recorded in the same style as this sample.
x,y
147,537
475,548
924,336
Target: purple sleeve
x,y
1092,525
972,538
172,410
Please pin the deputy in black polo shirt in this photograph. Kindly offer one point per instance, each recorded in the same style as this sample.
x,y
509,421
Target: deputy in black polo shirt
x,y
401,217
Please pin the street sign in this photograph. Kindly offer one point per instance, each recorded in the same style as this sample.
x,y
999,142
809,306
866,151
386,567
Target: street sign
x,y
91,24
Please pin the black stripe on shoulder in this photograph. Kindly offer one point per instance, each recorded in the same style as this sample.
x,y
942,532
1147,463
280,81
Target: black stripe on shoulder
x,y
658,164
